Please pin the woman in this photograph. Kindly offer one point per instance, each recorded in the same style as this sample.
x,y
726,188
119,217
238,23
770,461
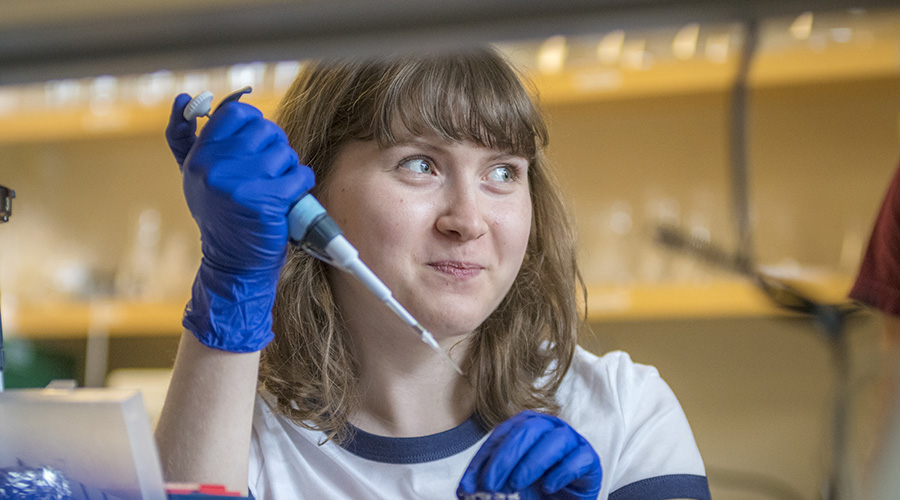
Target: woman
x,y
433,166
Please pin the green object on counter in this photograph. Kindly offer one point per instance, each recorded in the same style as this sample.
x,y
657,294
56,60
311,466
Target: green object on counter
x,y
28,365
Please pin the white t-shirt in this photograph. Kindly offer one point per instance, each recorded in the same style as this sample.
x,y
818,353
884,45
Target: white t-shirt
x,y
624,409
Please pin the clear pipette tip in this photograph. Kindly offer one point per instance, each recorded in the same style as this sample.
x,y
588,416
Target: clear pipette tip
x,y
428,338
424,334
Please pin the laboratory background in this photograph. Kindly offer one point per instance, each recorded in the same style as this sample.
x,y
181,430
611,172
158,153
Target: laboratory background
x,y
755,132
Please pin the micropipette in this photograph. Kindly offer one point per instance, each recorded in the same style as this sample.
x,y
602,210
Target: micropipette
x,y
313,230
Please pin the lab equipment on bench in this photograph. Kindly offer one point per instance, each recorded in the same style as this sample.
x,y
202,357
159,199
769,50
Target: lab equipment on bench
x,y
830,318
93,443
63,442
6,197
312,229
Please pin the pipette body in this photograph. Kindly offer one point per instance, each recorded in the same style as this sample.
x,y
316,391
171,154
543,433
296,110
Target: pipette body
x,y
310,227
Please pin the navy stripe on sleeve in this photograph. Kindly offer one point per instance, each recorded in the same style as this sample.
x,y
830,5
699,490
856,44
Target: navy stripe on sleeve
x,y
665,488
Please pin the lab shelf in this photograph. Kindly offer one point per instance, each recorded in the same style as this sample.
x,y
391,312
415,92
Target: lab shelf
x,y
115,318
797,63
84,122
718,298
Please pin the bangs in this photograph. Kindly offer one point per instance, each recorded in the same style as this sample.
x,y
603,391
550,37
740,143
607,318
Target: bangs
x,y
472,97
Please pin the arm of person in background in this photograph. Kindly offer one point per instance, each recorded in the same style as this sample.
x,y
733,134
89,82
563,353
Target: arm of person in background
x,y
878,282
240,179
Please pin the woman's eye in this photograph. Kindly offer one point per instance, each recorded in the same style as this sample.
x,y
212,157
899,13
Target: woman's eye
x,y
502,174
419,165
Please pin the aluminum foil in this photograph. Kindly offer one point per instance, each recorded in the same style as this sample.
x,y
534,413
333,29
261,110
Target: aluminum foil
x,y
40,483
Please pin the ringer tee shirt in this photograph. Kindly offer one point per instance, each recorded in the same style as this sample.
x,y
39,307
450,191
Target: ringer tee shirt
x,y
624,409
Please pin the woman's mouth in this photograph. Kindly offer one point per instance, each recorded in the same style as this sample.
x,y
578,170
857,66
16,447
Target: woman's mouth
x,y
457,269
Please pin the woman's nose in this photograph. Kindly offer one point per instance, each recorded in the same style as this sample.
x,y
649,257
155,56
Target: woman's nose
x,y
462,217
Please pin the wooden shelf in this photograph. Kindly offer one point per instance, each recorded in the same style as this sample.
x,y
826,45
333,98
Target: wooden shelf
x,y
591,82
660,302
116,318
713,299
81,122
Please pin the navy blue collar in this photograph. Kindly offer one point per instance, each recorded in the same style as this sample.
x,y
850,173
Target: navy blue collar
x,y
415,450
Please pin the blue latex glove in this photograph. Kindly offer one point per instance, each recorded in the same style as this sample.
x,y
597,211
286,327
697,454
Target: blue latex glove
x,y
539,456
240,178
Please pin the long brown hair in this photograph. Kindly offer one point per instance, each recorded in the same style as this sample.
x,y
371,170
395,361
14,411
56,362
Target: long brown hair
x,y
518,356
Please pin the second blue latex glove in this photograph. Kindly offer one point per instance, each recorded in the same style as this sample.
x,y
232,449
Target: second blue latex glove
x,y
240,178
537,455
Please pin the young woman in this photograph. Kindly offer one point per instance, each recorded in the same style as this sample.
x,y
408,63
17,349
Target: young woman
x,y
433,166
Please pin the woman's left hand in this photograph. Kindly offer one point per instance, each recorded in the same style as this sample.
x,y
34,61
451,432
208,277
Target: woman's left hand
x,y
539,456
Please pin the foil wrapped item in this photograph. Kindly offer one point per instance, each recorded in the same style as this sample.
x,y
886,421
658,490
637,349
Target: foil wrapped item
x,y
34,483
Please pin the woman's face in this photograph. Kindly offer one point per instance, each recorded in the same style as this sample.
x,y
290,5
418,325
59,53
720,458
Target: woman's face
x,y
444,225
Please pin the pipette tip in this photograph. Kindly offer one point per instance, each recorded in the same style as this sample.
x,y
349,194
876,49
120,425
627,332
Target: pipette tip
x,y
424,334
428,338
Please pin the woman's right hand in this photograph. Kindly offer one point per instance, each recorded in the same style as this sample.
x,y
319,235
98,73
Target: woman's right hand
x,y
240,179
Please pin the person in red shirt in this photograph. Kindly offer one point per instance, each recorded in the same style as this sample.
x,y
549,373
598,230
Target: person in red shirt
x,y
878,282
877,286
